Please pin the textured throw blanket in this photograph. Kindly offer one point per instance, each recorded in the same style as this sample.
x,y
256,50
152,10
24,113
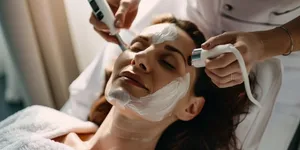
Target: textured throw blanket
x,y
34,127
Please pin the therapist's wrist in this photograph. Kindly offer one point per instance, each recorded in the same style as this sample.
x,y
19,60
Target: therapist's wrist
x,y
275,42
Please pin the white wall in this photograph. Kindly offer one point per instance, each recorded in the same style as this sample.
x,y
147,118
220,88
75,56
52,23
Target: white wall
x,y
85,40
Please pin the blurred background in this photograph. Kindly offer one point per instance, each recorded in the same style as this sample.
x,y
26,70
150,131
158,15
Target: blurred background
x,y
45,44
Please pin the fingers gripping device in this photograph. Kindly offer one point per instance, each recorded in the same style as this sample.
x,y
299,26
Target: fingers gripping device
x,y
103,13
200,55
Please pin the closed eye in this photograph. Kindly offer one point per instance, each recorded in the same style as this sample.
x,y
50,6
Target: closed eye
x,y
167,65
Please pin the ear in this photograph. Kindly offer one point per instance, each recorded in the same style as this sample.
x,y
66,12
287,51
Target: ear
x,y
192,109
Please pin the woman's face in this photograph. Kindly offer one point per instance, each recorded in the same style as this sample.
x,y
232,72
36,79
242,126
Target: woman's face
x,y
147,67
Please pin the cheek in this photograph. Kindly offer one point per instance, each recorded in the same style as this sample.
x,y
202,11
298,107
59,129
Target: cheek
x,y
108,86
121,62
182,104
162,78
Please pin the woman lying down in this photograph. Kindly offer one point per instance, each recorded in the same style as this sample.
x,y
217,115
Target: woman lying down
x,y
154,99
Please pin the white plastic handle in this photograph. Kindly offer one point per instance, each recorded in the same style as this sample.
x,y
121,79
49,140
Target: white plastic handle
x,y
108,17
218,50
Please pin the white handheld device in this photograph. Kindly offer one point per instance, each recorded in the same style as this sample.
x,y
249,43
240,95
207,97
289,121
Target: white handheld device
x,y
200,55
103,12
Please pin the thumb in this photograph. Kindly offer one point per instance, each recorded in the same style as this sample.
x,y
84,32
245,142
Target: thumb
x,y
121,13
225,38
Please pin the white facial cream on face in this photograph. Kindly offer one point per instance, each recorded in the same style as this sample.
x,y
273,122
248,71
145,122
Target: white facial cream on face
x,y
153,107
161,32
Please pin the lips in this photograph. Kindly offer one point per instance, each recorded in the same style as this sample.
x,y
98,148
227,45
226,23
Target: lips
x,y
135,79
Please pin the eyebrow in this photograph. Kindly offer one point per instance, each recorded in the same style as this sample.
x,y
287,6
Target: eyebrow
x,y
173,49
139,37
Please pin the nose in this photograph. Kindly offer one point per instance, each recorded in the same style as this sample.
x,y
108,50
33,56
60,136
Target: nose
x,y
141,61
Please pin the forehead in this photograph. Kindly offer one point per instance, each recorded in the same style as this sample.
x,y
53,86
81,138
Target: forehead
x,y
166,28
170,34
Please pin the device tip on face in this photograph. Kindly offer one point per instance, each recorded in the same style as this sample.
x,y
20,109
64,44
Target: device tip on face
x,y
121,43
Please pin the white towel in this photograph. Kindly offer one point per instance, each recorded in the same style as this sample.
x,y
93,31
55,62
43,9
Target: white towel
x,y
34,127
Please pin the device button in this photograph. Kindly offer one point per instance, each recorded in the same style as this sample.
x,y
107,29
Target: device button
x,y
100,15
94,6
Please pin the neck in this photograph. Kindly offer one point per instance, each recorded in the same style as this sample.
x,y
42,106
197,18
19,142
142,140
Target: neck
x,y
120,132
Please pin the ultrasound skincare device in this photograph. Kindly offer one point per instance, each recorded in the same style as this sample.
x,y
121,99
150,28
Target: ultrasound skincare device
x,y
200,55
103,12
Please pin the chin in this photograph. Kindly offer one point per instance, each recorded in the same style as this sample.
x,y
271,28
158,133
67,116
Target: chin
x,y
126,112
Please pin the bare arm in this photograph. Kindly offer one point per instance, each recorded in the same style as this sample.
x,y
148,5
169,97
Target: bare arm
x,y
254,46
277,41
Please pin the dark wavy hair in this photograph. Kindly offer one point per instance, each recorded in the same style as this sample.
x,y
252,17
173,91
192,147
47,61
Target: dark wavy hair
x,y
214,128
